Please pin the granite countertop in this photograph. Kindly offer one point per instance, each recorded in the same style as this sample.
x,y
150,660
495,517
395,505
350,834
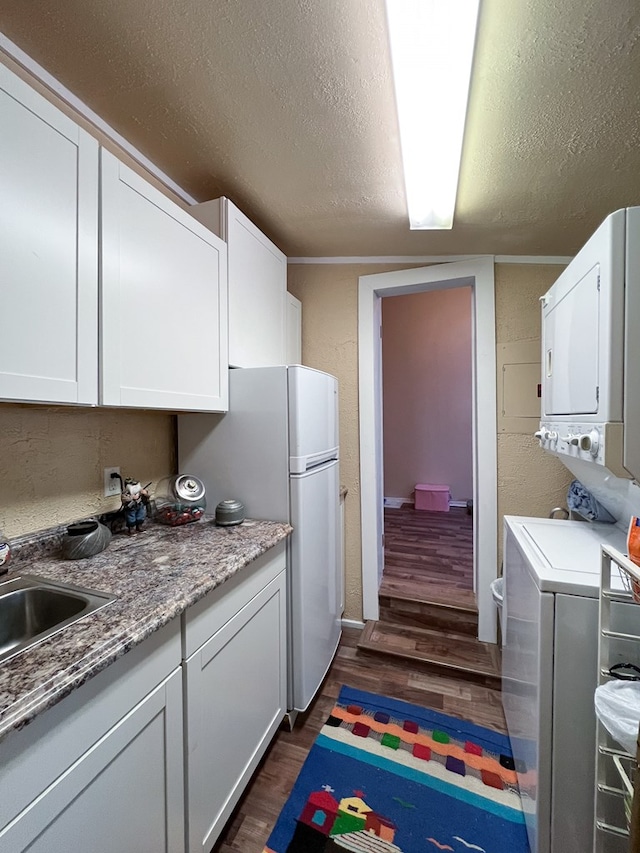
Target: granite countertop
x,y
155,574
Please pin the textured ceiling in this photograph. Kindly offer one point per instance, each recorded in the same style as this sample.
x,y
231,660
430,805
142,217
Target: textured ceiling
x,y
287,107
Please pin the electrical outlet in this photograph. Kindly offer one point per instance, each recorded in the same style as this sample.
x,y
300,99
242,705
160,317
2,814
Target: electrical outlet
x,y
111,484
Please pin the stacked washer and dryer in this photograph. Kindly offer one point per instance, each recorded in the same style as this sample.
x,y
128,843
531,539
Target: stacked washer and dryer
x,y
591,421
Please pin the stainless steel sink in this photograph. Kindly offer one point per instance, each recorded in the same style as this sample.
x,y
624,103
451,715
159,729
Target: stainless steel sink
x,y
33,609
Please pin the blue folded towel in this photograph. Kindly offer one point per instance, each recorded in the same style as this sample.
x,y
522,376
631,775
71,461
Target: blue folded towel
x,y
581,500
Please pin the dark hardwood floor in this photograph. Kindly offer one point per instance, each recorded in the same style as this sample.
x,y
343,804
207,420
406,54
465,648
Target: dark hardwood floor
x,y
248,829
428,556
428,611
423,650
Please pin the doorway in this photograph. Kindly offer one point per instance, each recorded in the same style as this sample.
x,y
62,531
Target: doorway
x,y
427,439
477,274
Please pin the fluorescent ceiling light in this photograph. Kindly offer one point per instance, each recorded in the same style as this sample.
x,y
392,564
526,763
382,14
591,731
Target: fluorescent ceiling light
x,y
432,45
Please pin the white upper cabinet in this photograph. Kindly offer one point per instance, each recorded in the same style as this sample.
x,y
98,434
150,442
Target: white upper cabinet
x,y
257,286
161,340
293,329
164,300
48,251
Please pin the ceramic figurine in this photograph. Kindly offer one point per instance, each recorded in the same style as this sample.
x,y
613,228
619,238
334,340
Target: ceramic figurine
x,y
133,502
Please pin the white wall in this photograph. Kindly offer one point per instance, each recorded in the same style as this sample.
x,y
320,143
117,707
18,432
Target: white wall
x,y
427,392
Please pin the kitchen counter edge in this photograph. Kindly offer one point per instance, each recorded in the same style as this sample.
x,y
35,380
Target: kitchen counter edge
x,y
156,575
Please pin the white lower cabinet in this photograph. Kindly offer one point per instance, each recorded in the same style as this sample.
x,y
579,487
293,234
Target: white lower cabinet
x,y
123,794
103,769
235,696
152,754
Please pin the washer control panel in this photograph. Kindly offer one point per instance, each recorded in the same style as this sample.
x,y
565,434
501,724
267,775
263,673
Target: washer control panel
x,y
582,441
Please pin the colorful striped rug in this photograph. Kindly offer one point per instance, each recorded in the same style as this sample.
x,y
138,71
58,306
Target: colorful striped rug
x,y
384,776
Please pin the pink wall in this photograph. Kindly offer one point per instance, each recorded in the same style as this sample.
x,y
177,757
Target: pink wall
x,y
426,364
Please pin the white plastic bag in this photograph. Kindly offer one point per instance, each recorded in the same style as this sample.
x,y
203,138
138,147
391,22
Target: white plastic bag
x,y
618,709
497,591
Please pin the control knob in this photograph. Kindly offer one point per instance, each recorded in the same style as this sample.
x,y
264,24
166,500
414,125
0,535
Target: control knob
x,y
543,434
590,441
570,439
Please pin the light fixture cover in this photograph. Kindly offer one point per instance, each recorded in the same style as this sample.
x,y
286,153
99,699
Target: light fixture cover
x,y
432,43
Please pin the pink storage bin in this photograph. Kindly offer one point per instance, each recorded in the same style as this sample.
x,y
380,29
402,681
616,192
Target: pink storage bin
x,y
431,497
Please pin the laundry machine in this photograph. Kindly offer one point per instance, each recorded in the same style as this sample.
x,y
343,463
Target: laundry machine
x,y
549,672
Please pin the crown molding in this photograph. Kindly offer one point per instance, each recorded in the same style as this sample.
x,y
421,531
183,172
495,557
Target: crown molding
x,y
434,259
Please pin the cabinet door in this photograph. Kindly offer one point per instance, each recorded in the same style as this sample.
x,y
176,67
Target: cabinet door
x,y
124,794
236,696
164,300
257,289
48,251
257,275
294,330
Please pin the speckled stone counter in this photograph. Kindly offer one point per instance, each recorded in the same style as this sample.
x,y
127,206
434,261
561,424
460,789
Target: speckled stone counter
x,y
155,574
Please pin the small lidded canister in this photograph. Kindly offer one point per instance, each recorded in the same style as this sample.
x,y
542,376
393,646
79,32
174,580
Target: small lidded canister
x,y
230,512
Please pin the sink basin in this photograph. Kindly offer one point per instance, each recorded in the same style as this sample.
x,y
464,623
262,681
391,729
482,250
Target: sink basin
x,y
33,609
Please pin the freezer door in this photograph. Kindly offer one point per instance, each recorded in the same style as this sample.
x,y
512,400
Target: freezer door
x,y
313,418
314,595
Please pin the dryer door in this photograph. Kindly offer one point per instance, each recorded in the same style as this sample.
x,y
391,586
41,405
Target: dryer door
x,y
583,331
570,328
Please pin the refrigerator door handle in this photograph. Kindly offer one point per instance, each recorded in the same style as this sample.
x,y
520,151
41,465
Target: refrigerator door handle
x,y
300,464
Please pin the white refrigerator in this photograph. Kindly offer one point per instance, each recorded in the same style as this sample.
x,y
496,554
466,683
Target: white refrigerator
x,y
276,450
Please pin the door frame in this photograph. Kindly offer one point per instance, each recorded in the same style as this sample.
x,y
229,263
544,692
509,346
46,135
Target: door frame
x,y
478,274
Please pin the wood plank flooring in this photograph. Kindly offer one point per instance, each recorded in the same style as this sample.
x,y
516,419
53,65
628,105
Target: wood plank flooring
x,y
428,607
428,611
428,556
438,649
429,614
428,570
250,825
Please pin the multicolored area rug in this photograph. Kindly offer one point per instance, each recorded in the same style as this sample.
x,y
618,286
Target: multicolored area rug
x,y
387,777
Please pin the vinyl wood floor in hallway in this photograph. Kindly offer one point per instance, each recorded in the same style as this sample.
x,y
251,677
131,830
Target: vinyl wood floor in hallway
x,y
429,555
428,611
250,826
